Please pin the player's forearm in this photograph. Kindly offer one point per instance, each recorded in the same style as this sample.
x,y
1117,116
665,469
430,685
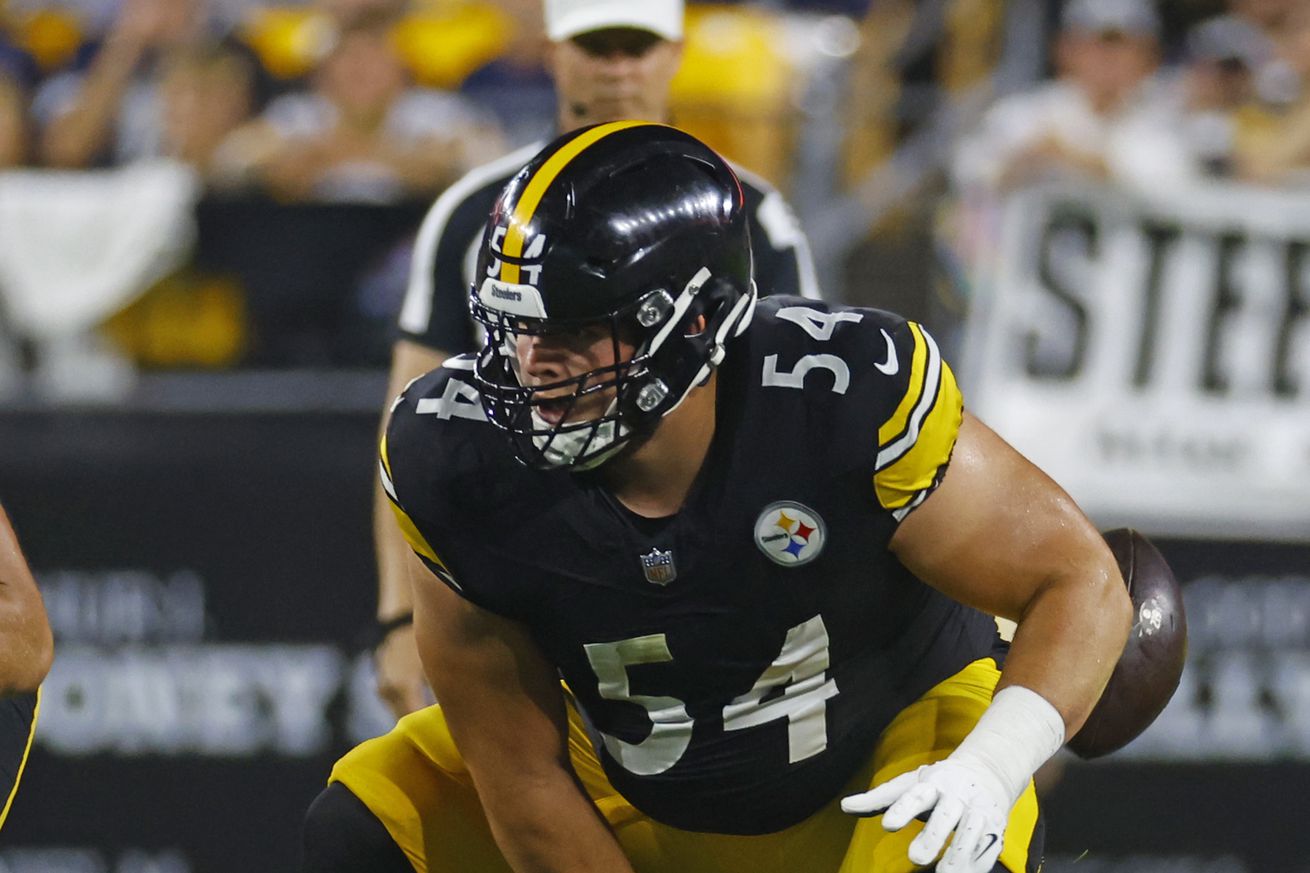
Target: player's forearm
x,y
26,646
502,700
547,825
394,594
1070,638
25,642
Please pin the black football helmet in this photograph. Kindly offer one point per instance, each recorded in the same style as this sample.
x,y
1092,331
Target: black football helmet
x,y
634,227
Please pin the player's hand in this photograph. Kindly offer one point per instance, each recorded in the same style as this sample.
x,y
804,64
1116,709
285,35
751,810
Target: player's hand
x,y
401,682
963,798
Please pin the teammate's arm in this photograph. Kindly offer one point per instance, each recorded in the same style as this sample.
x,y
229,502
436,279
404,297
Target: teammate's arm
x,y
26,646
506,712
400,680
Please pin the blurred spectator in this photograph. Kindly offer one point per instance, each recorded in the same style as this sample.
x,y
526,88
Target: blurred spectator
x,y
111,113
1272,145
1278,80
36,42
1223,56
362,133
1106,118
13,121
440,41
515,85
350,13
1270,16
206,90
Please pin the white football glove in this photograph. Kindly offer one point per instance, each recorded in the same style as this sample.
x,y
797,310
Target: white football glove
x,y
972,791
963,796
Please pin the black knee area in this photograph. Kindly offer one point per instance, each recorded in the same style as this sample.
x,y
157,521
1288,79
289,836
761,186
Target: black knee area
x,y
343,836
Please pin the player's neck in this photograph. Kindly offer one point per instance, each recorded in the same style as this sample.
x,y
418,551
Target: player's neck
x,y
654,480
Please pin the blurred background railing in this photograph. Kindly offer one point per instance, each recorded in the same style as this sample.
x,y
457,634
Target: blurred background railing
x,y
1100,208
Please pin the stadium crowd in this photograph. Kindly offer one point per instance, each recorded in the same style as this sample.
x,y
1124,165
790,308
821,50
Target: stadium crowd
x,y
386,102
380,99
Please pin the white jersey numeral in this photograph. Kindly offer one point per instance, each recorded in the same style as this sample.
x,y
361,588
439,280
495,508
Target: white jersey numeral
x,y
816,322
459,400
670,731
799,673
772,377
820,326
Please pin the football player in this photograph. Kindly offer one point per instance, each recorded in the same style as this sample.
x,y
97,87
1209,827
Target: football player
x,y
611,60
760,541
26,651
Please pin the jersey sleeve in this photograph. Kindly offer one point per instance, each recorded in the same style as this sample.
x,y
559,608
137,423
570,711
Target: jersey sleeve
x,y
18,715
444,470
409,528
916,438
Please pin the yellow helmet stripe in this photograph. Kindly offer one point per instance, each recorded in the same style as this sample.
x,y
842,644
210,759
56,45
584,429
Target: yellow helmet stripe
x,y
516,233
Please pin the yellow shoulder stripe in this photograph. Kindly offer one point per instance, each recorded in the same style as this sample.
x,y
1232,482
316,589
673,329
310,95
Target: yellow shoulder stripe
x,y
516,233
909,464
413,537
896,424
27,750
386,461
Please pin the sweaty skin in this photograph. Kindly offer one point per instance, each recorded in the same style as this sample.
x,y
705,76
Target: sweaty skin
x,y
26,644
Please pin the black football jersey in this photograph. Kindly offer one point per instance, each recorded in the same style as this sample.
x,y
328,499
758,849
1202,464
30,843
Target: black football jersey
x,y
17,726
739,659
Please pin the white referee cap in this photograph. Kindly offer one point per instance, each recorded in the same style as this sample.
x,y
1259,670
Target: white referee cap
x,y
1136,17
568,18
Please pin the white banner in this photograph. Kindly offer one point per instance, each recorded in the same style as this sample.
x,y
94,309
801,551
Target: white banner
x,y
1154,358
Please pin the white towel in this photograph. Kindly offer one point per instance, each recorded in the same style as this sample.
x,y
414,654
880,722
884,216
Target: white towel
x,y
75,247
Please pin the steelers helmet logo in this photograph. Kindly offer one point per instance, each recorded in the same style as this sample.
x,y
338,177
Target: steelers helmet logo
x,y
790,533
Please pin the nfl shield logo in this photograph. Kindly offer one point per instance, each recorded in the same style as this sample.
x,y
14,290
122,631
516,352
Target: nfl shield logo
x,y
658,567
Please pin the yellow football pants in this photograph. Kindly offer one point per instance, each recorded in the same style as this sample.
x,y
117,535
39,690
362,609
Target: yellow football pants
x,y
415,782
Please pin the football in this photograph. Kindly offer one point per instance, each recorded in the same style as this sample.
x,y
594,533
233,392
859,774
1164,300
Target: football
x,y
1152,661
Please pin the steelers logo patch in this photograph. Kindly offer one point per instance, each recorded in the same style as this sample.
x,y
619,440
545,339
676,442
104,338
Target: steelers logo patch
x,y
790,533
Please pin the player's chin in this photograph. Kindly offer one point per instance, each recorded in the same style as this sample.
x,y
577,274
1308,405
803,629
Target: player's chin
x,y
617,108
